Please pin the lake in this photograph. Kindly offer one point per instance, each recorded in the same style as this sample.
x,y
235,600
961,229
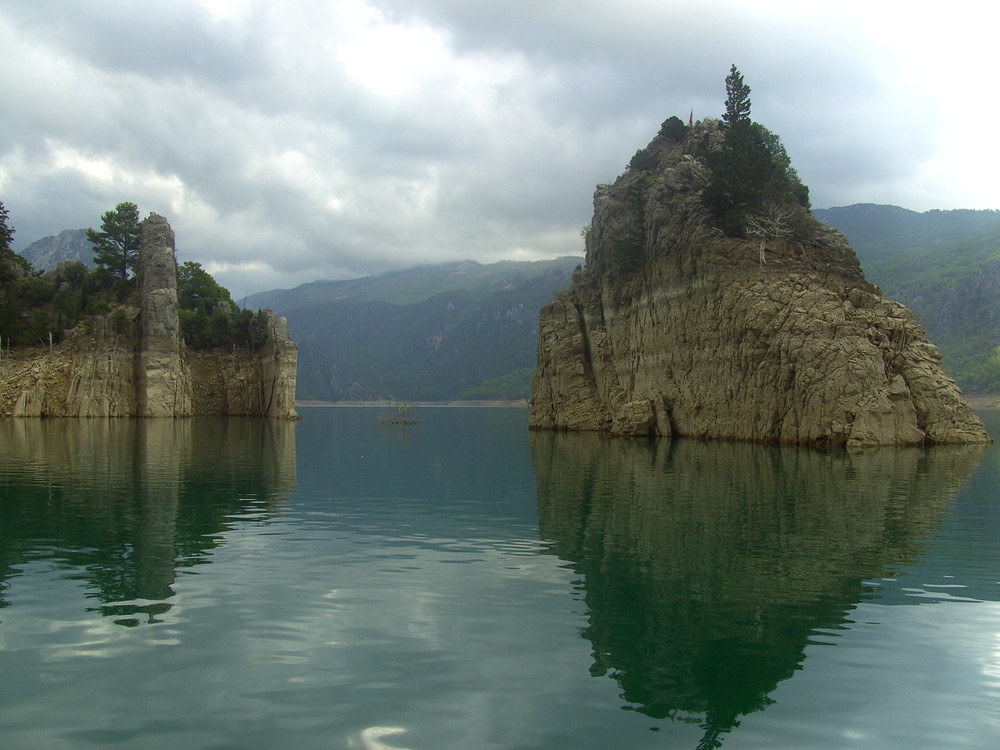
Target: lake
x,y
463,583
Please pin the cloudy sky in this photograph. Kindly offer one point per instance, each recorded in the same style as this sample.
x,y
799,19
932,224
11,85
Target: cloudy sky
x,y
295,140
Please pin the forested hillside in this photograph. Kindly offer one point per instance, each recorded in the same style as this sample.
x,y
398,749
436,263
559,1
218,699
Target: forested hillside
x,y
877,232
945,266
457,331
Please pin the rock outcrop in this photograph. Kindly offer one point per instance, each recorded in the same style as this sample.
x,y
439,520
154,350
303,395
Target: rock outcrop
x,y
673,328
164,382
133,362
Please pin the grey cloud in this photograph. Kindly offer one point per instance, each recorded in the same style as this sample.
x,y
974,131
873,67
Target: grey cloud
x,y
174,41
277,166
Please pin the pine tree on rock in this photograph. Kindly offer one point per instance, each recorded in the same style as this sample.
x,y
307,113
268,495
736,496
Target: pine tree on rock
x,y
737,113
116,246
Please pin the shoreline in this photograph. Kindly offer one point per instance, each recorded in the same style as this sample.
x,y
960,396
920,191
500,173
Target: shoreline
x,y
521,403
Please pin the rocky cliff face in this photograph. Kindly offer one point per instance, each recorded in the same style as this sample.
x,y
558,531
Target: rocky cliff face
x,y
134,363
673,328
164,382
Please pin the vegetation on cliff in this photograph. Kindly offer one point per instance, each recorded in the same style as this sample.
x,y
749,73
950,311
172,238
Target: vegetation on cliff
x,y
753,188
736,174
39,307
133,362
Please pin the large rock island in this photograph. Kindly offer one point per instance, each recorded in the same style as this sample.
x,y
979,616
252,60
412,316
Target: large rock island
x,y
134,363
675,327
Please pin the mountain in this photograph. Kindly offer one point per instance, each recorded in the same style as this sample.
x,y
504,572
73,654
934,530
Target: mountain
x,y
414,284
431,333
944,266
877,232
70,244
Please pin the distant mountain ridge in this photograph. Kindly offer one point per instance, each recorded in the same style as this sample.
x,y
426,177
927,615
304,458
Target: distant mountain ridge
x,y
944,266
415,284
454,331
70,244
878,231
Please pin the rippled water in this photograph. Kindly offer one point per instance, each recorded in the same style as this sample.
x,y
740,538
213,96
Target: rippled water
x,y
461,583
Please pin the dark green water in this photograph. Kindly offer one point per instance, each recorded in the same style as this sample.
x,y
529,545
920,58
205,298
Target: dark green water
x,y
335,583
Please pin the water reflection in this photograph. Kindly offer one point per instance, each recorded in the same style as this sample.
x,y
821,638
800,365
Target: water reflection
x,y
123,504
708,567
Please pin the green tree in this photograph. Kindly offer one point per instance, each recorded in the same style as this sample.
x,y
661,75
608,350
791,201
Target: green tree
x,y
6,231
12,265
116,246
208,316
198,291
15,271
751,172
673,129
737,113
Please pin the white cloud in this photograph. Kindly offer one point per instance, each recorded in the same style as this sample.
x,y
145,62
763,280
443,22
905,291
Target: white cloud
x,y
299,140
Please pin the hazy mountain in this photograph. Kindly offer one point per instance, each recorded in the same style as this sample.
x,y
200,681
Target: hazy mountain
x,y
876,231
70,244
945,266
431,333
414,284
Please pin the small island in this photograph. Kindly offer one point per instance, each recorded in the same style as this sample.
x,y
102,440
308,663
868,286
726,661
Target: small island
x,y
714,305
132,361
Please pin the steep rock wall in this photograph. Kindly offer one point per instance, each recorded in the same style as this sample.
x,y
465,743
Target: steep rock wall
x,y
164,382
137,365
673,328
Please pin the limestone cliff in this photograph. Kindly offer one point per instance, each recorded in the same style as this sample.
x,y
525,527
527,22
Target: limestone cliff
x,y
164,381
674,328
134,362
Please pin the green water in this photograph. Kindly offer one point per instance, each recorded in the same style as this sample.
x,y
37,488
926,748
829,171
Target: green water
x,y
462,583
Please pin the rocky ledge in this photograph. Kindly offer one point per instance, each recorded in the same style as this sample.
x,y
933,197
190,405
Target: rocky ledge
x,y
673,328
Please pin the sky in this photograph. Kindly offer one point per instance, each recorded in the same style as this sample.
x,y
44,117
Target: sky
x,y
289,141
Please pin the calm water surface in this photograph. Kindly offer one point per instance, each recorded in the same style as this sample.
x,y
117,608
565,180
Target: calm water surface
x,y
461,583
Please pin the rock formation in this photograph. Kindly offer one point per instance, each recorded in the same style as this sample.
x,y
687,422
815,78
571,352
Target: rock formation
x,y
163,379
133,362
673,328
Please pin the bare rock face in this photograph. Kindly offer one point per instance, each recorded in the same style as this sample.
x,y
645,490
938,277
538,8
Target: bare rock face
x,y
242,383
279,368
673,328
164,381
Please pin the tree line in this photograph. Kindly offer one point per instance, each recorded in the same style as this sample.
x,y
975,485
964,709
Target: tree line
x,y
42,307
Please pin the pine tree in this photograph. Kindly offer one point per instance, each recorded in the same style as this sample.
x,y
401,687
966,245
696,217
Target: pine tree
x,y
737,113
751,171
116,246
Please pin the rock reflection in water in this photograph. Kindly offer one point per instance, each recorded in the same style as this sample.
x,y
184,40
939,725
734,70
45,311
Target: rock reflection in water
x,y
707,566
124,503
